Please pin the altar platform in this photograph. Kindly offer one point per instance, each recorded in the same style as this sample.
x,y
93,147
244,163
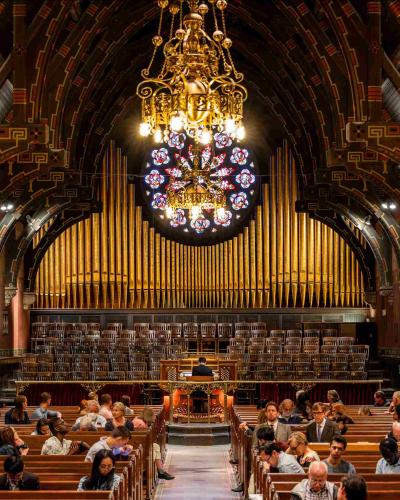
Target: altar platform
x,y
197,434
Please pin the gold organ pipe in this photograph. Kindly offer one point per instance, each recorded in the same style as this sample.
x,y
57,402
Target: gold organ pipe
x,y
286,226
62,269
294,247
132,246
267,254
235,272
259,256
87,244
342,272
74,265
51,275
331,262
125,241
324,264
81,262
104,234
173,276
273,233
279,227
151,266
221,275
246,266
241,269
310,259
216,271
111,225
138,246
120,185
317,260
231,271
162,260
336,264
145,262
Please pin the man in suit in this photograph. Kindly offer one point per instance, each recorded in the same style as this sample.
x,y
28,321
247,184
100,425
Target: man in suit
x,y
321,430
15,478
269,418
201,370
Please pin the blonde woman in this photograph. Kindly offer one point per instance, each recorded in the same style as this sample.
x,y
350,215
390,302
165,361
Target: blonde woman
x,y
118,413
298,446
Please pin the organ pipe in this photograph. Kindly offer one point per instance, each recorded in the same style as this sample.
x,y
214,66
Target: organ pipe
x,y
280,259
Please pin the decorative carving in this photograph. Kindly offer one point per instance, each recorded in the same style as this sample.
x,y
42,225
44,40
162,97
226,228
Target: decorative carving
x,y
28,299
9,293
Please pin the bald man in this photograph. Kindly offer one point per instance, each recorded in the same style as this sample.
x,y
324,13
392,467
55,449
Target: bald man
x,y
316,486
395,432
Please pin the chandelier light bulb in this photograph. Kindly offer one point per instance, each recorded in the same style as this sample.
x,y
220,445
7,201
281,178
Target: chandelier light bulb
x,y
195,212
176,123
230,125
10,206
169,212
241,133
385,206
144,129
392,206
3,208
158,135
205,137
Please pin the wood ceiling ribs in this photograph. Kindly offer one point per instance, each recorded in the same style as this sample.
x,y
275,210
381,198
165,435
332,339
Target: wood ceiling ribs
x,y
309,67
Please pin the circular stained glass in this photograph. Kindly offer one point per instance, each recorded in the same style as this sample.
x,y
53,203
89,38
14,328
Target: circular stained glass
x,y
223,171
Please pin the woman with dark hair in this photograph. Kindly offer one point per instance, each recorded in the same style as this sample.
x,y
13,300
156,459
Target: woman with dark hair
x,y
42,428
18,415
333,397
102,476
303,405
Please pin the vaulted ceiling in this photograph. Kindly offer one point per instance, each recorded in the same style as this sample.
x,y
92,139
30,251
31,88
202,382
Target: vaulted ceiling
x,y
320,73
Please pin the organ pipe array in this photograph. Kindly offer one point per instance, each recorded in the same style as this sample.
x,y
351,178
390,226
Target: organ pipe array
x,y
115,259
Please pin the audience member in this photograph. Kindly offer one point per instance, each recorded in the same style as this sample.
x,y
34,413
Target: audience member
x,y
338,410
282,431
298,446
365,411
83,407
97,420
265,435
15,478
18,415
316,486
395,432
86,424
303,406
286,409
105,406
102,476
126,401
333,397
57,444
143,421
342,426
321,429
42,428
11,443
335,462
93,396
117,442
380,399
43,410
396,413
353,487
274,458
390,461
395,401
118,412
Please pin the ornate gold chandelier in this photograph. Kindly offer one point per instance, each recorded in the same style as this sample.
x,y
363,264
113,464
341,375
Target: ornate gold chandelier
x,y
198,88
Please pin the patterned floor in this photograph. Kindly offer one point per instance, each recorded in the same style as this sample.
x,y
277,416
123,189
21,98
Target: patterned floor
x,y
201,472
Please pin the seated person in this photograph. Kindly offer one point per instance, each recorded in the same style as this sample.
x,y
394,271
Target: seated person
x,y
11,443
201,370
264,436
102,476
43,410
364,411
275,459
298,446
57,444
338,410
15,478
116,442
380,399
316,486
395,432
286,415
126,401
390,461
86,424
118,412
105,406
282,431
303,406
396,413
353,487
97,420
334,462
144,421
395,401
342,425
333,397
321,430
18,415
42,428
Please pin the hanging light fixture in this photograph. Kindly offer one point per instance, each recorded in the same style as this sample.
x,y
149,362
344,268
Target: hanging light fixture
x,y
198,88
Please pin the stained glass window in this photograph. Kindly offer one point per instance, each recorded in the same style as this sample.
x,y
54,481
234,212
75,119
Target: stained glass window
x,y
226,167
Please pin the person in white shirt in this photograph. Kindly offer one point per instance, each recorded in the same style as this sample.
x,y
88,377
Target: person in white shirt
x,y
106,406
57,444
97,420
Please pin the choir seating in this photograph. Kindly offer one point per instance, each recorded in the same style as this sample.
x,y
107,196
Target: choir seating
x,y
63,351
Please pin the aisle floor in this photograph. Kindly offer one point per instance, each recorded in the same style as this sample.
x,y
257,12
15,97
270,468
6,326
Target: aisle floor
x,y
201,473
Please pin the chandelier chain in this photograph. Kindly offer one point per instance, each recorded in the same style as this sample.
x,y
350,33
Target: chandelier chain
x,y
146,72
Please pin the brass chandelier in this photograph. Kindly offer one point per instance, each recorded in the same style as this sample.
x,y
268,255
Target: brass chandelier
x,y
198,88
